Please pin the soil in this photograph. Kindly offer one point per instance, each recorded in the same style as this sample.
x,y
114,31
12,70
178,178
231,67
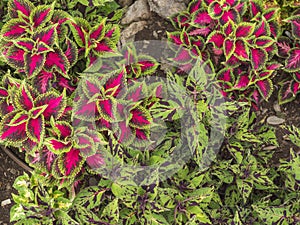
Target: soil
x,y
155,30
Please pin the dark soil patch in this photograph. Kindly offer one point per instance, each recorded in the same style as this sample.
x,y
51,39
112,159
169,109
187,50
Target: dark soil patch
x,y
9,171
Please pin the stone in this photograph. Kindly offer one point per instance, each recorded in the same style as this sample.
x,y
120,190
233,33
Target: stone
x,y
5,202
166,8
129,32
136,12
274,120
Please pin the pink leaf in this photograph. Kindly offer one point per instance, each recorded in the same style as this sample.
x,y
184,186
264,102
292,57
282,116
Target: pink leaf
x,y
293,61
34,63
15,57
57,60
244,30
139,118
55,105
105,108
261,29
20,6
258,58
25,99
217,39
35,129
16,133
229,47
95,161
97,32
71,160
202,17
265,88
229,15
43,80
241,49
46,35
243,81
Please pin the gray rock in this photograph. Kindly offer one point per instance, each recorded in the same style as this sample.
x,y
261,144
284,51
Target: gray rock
x,y
274,120
166,8
138,11
129,32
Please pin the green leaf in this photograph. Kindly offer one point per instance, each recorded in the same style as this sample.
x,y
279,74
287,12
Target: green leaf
x,y
111,212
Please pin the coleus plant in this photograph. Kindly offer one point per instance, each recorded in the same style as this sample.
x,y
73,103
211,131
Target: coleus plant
x,y
238,36
289,53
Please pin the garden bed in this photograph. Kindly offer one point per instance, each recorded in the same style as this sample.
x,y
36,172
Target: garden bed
x,y
265,147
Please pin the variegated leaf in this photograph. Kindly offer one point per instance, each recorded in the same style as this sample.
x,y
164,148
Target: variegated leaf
x,y
35,129
41,14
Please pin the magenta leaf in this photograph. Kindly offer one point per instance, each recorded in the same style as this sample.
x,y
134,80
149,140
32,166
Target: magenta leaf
x,y
174,37
80,29
57,146
293,60
244,30
140,118
24,99
226,75
183,56
262,29
285,93
229,47
241,50
215,10
258,58
147,64
265,88
98,31
47,35
202,17
242,81
85,110
20,7
141,134
217,38
103,47
15,57
194,6
71,52
58,61
5,108
35,129
297,76
13,134
255,7
63,129
95,161
15,28
106,108
124,133
41,14
71,162
231,14
34,63
26,44
295,86
270,14
55,104
115,84
295,21
43,80
3,92
264,41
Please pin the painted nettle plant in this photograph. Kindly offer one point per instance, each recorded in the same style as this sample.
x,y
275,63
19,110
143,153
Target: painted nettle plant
x,y
249,43
113,141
